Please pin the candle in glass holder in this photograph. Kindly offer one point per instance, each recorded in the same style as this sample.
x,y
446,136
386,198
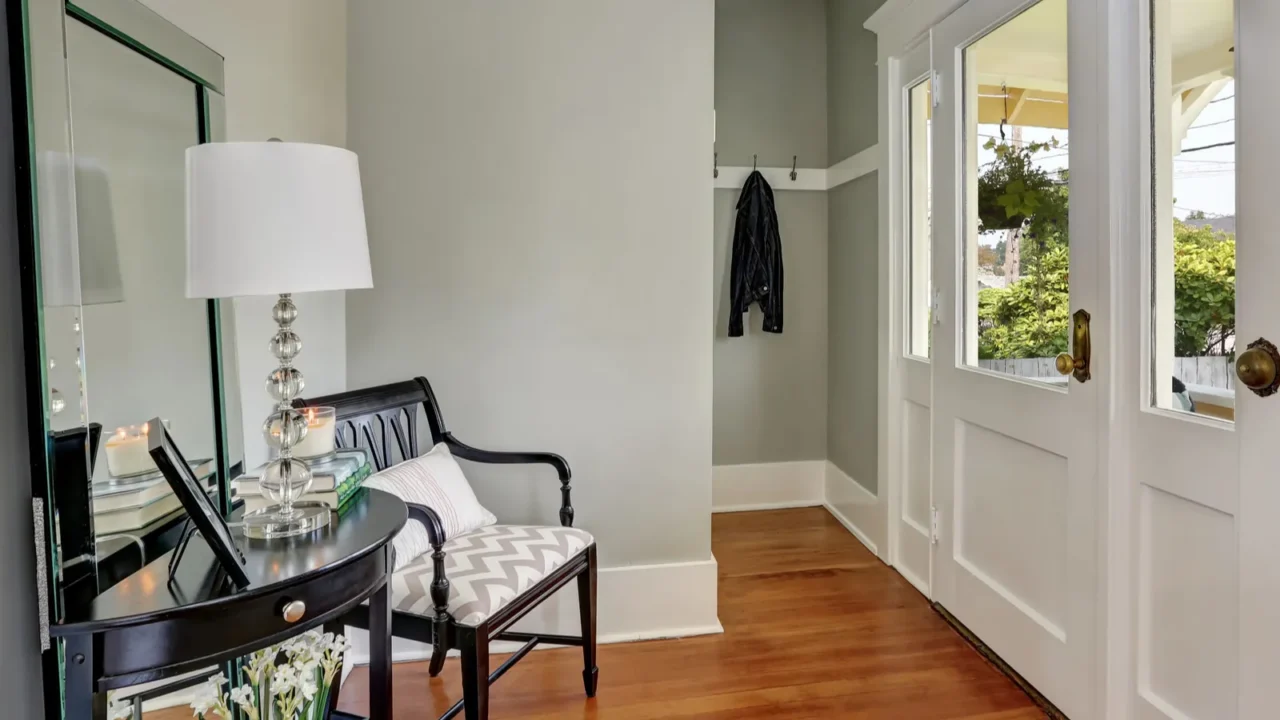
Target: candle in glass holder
x,y
319,440
127,452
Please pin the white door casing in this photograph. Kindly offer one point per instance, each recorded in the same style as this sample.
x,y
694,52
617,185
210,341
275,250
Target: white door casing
x,y
1015,461
911,501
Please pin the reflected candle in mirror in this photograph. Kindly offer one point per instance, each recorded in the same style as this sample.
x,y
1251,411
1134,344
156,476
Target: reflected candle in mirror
x,y
319,440
127,452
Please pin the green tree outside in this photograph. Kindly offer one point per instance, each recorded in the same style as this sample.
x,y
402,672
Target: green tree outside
x,y
1030,317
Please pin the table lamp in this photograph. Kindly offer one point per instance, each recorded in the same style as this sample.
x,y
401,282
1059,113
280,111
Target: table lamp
x,y
276,218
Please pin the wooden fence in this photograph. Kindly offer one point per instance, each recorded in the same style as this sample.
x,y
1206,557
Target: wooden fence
x,y
1213,371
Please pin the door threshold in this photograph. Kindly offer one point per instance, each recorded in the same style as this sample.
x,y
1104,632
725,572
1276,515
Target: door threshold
x,y
990,655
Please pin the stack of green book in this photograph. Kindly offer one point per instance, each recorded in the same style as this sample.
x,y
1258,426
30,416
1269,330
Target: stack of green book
x,y
334,481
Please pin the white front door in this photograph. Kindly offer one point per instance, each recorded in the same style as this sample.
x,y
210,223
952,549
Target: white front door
x,y
1015,444
1205,492
1258,297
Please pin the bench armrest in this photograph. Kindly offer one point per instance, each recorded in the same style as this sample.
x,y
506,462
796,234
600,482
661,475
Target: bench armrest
x,y
439,582
495,457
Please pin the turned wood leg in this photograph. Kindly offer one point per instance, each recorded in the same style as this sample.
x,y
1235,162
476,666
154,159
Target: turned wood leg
x,y
587,609
441,626
437,660
475,672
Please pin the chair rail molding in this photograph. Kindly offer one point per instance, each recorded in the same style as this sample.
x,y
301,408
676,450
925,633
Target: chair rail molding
x,y
851,168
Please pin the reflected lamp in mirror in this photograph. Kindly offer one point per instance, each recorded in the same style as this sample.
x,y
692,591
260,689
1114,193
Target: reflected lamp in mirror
x,y
79,265
276,218
79,257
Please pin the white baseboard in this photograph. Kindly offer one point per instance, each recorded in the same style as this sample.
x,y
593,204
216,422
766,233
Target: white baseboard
x,y
857,509
767,486
635,602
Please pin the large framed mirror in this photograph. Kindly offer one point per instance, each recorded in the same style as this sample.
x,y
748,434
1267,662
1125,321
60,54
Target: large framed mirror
x,y
115,95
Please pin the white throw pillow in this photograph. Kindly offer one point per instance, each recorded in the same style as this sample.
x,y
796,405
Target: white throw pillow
x,y
434,480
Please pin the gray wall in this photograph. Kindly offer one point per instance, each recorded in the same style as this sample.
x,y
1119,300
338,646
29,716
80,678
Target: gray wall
x,y
19,621
852,97
771,82
771,390
771,87
853,226
853,277
538,201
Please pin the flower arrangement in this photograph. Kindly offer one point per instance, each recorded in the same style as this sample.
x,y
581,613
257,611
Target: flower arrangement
x,y
296,689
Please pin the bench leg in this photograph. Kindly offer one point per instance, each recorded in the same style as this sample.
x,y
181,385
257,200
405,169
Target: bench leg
x,y
587,608
437,660
474,644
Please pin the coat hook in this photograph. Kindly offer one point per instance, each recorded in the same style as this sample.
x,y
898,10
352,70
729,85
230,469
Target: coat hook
x,y
793,168
715,165
753,163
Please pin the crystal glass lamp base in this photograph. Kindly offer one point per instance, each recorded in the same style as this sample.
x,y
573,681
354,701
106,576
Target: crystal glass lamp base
x,y
267,523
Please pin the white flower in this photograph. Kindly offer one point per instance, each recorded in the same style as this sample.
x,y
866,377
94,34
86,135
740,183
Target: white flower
x,y
242,696
284,680
309,689
204,701
307,667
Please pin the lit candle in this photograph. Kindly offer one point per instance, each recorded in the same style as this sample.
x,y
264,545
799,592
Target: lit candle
x,y
319,440
127,452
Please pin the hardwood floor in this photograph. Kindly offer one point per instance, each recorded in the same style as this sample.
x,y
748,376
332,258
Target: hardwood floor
x,y
815,627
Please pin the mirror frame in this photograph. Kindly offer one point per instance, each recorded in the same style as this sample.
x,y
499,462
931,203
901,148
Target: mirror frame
x,y
42,124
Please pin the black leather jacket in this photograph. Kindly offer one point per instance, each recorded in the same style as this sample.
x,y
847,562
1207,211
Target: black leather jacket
x,y
757,257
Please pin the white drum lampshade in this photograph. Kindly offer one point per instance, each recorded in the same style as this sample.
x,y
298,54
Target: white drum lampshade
x,y
276,218
265,218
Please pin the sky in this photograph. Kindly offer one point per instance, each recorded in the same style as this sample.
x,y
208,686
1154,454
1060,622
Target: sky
x,y
1206,180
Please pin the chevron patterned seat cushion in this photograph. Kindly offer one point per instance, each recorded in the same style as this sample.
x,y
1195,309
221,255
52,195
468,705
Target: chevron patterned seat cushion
x,y
487,569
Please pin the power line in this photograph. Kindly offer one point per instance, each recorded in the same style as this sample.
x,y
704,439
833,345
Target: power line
x,y
1220,122
1208,147
1229,97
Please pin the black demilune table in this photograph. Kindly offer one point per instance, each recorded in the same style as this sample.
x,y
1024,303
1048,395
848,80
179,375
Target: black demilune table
x,y
145,628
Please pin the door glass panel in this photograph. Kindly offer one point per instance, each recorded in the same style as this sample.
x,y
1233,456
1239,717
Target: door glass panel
x,y
1016,243
919,218
1193,146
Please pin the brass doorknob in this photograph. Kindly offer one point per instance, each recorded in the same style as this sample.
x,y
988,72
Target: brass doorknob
x,y
1076,363
1065,364
1256,367
294,610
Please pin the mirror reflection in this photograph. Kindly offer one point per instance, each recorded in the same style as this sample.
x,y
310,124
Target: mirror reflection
x,y
123,342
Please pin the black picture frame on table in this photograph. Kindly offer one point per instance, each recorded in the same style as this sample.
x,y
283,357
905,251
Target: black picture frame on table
x,y
199,507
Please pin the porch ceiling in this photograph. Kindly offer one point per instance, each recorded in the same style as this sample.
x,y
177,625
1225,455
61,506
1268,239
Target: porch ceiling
x,y
1028,56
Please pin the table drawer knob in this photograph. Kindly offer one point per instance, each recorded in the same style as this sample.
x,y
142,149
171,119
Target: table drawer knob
x,y
294,610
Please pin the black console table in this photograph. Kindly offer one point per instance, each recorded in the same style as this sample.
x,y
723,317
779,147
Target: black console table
x,y
146,628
